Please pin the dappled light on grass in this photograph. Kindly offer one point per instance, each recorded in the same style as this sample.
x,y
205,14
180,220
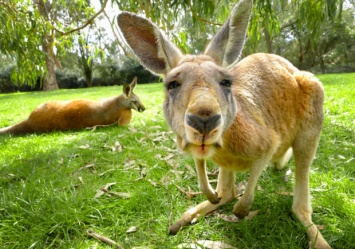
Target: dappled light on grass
x,y
48,183
206,244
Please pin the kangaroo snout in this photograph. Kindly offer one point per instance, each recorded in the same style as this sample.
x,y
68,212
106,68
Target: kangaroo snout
x,y
141,109
203,124
204,130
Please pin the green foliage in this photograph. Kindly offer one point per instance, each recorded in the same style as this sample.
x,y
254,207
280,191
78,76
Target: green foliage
x,y
48,182
21,31
309,33
7,85
106,74
66,80
31,30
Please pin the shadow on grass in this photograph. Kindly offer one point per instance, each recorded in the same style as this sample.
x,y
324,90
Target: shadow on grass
x,y
49,198
48,184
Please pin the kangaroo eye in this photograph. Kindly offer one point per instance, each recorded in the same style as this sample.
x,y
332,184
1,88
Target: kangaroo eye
x,y
173,84
226,83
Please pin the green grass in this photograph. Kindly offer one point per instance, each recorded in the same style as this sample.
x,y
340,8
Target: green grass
x,y
47,195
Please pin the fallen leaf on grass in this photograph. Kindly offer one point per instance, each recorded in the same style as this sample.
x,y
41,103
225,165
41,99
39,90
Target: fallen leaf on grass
x,y
134,130
86,146
102,190
160,136
175,169
143,174
158,156
122,195
168,157
154,127
130,163
285,193
153,183
81,180
132,229
107,171
191,170
117,147
341,157
189,193
229,218
102,238
90,166
201,244
252,214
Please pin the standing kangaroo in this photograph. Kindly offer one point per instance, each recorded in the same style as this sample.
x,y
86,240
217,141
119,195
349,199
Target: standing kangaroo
x,y
242,115
78,114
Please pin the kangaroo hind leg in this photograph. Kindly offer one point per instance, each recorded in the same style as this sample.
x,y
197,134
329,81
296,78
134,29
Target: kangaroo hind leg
x,y
304,149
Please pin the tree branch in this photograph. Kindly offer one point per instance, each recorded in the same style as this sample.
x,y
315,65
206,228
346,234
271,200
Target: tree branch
x,y
288,24
199,18
115,34
89,21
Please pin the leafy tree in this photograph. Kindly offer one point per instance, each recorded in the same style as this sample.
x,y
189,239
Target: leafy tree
x,y
84,61
21,32
32,31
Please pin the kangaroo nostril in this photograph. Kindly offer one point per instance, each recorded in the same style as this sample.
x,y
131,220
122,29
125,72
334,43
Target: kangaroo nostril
x,y
203,124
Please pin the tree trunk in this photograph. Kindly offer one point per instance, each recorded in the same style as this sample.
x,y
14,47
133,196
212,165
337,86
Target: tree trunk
x,y
268,40
88,74
85,64
322,64
49,80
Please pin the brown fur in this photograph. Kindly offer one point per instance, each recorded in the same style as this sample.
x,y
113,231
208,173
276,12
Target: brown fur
x,y
241,115
78,114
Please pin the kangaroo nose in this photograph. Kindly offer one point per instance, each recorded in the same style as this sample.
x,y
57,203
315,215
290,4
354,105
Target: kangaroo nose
x,y
141,109
203,124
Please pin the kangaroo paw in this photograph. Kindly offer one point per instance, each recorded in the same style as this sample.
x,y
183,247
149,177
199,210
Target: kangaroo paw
x,y
214,199
175,228
242,209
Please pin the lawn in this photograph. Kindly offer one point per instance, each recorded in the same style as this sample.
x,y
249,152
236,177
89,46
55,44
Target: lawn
x,y
50,183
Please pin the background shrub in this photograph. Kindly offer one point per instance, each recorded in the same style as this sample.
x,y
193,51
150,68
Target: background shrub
x,y
105,74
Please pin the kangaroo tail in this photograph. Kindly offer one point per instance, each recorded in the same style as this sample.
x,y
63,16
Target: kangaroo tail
x,y
20,128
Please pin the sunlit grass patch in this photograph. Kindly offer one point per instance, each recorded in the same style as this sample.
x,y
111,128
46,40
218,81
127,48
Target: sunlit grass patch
x,y
48,182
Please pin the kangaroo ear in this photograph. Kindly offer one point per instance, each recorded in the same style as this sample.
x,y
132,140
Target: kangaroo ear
x,y
154,50
127,90
228,43
133,83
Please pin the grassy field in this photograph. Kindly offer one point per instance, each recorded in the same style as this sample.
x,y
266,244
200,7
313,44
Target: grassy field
x,y
49,183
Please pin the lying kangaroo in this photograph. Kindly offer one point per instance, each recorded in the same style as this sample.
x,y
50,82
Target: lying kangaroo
x,y
241,115
78,114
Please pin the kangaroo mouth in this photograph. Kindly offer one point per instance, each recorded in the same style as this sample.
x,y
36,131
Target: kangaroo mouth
x,y
200,150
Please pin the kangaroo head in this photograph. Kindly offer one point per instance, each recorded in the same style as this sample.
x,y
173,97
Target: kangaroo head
x,y
130,100
199,104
